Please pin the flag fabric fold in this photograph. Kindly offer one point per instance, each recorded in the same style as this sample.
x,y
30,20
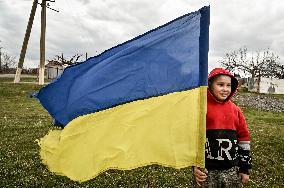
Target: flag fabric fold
x,y
142,102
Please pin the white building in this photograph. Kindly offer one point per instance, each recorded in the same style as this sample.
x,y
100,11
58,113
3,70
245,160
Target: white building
x,y
53,70
267,85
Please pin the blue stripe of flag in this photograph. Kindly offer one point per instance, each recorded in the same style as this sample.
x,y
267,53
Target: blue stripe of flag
x,y
170,58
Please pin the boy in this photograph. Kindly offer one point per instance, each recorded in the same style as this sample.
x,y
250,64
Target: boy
x,y
227,148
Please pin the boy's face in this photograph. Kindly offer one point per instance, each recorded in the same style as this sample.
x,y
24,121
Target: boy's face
x,y
221,87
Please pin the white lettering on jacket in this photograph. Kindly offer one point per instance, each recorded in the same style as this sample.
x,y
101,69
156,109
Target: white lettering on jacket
x,y
221,150
208,150
225,150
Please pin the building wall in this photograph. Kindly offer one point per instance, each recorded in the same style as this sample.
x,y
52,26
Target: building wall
x,y
267,85
54,72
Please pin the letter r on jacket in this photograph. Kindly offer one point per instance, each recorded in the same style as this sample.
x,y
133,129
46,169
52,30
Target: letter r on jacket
x,y
224,150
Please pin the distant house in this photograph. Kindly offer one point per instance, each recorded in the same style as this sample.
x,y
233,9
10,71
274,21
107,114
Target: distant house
x,y
53,69
266,85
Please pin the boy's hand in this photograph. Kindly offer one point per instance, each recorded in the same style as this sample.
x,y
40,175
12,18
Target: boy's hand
x,y
200,176
244,178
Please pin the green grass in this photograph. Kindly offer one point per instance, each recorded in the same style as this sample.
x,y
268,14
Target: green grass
x,y
23,120
23,79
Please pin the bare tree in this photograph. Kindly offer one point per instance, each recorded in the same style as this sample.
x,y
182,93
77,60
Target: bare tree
x,y
7,62
280,71
258,64
61,60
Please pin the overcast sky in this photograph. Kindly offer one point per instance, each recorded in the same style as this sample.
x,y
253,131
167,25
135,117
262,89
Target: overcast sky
x,y
94,26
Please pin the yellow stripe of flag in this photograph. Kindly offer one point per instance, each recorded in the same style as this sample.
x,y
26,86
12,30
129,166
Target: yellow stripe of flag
x,y
168,130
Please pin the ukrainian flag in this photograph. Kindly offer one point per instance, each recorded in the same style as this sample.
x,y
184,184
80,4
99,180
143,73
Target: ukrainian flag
x,y
140,103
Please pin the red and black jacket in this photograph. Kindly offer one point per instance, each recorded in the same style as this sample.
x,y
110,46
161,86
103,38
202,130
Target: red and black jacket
x,y
227,135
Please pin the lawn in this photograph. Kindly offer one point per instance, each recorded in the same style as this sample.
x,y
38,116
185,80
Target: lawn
x,y
23,120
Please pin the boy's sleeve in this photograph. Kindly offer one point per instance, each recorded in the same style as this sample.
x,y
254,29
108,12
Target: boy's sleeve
x,y
243,145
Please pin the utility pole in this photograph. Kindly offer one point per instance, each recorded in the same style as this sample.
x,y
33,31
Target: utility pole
x,y
62,62
42,43
0,59
25,43
42,40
